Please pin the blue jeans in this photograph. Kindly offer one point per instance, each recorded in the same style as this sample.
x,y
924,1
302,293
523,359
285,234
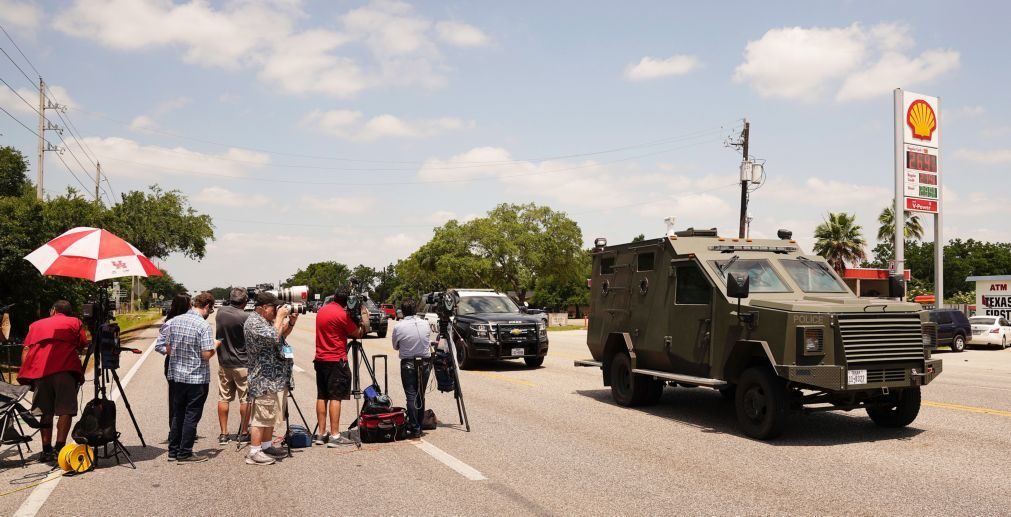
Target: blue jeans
x,y
413,387
187,408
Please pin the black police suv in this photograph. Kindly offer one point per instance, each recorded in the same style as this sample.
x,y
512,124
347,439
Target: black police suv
x,y
494,327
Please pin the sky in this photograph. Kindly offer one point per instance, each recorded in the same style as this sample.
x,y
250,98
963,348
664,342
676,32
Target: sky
x,y
348,130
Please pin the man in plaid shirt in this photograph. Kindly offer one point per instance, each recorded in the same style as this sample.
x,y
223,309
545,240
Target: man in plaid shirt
x,y
190,345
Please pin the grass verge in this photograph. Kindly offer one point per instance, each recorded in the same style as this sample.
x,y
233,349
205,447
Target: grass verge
x,y
134,320
565,327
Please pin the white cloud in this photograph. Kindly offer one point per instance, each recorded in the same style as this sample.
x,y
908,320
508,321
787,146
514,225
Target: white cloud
x,y
20,14
807,63
403,244
127,158
963,112
350,125
828,194
223,197
11,102
440,217
401,44
989,157
652,68
687,207
147,122
461,34
339,205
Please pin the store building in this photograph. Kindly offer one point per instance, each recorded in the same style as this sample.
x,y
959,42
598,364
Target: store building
x,y
868,282
993,295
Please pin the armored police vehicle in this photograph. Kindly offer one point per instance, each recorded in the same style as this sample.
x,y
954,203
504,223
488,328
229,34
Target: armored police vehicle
x,y
770,327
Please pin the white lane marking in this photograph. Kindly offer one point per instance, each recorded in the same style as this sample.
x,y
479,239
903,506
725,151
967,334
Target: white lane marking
x,y
462,468
297,368
41,494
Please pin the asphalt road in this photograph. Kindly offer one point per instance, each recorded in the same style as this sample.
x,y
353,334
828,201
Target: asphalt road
x,y
551,441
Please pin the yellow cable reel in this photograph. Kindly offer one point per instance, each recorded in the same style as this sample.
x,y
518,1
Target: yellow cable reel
x,y
76,457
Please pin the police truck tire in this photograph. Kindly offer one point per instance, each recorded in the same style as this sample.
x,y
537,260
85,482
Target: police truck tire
x,y
466,363
629,389
382,333
958,343
761,401
534,362
902,414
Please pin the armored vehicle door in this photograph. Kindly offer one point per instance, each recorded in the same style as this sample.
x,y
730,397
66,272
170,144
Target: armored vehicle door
x,y
644,289
689,324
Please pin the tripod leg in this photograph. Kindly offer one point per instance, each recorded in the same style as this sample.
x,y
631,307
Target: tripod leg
x,y
287,425
300,415
126,402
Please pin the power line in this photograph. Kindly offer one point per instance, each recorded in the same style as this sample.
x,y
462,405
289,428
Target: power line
x,y
16,65
455,180
11,88
29,61
30,130
72,172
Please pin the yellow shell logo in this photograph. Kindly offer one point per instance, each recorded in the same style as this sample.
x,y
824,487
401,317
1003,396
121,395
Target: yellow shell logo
x,y
921,119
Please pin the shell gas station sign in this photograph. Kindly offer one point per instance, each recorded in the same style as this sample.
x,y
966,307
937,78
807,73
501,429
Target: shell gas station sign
x,y
920,144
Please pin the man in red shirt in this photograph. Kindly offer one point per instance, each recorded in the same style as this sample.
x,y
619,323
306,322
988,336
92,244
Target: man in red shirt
x,y
333,376
50,364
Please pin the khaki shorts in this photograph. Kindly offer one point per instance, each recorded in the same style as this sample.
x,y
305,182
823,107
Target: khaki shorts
x,y
232,382
268,410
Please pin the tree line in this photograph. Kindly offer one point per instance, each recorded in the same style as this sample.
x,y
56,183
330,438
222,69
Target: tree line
x,y
157,222
531,252
840,240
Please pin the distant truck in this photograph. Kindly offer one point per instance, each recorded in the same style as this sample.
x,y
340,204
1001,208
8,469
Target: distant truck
x,y
770,327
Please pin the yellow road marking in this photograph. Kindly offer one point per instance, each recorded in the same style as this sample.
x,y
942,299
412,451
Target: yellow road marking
x,y
504,378
971,409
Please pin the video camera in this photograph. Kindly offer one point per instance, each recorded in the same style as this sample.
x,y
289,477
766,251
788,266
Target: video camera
x,y
355,301
444,303
98,312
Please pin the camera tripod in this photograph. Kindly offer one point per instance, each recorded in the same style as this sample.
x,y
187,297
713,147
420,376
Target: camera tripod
x,y
447,328
105,369
290,397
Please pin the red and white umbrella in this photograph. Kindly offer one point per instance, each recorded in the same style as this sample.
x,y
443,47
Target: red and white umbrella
x,y
93,254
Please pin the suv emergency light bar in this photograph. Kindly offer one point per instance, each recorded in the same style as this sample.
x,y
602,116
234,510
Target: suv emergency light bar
x,y
731,248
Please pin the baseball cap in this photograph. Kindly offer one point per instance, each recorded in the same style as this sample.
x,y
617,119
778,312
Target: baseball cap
x,y
265,298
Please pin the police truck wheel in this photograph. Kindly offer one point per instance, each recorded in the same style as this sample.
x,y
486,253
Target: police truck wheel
x,y
761,401
629,389
462,356
958,343
902,413
534,362
381,333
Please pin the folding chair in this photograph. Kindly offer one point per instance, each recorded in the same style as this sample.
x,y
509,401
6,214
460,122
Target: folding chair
x,y
10,409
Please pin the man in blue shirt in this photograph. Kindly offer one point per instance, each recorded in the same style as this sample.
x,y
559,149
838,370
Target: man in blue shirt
x,y
190,345
411,337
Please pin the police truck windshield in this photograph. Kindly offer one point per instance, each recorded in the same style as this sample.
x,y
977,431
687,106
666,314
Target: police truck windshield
x,y
812,276
763,279
486,304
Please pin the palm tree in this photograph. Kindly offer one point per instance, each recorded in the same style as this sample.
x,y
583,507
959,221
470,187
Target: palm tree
x,y
840,240
886,232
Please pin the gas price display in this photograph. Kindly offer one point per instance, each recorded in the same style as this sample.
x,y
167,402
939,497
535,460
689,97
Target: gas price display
x,y
921,161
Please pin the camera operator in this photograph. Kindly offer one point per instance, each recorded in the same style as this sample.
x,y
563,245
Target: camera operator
x,y
49,363
412,337
269,373
334,326
232,369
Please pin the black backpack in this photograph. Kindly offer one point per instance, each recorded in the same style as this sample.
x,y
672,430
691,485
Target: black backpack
x,y
97,425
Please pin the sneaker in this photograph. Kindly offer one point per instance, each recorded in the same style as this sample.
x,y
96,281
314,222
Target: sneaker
x,y
192,458
171,457
320,440
47,456
275,452
243,439
259,458
222,439
338,441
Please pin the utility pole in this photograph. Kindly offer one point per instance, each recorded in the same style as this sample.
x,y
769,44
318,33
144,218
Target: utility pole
x,y
98,181
42,137
747,175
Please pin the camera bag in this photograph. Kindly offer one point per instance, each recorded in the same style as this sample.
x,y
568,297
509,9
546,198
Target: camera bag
x,y
442,363
97,425
383,427
298,437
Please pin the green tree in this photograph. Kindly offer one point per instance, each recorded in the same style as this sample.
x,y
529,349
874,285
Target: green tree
x,y
839,239
13,172
512,249
161,222
321,277
164,285
886,231
639,238
961,259
220,293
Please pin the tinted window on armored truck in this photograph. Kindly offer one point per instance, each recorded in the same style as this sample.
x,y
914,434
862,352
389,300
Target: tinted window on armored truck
x,y
763,279
607,266
813,277
644,261
692,287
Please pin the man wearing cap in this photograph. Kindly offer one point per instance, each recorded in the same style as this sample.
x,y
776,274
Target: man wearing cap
x,y
269,372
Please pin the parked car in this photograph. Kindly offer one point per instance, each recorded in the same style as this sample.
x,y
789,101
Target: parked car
x,y
953,328
990,330
389,309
